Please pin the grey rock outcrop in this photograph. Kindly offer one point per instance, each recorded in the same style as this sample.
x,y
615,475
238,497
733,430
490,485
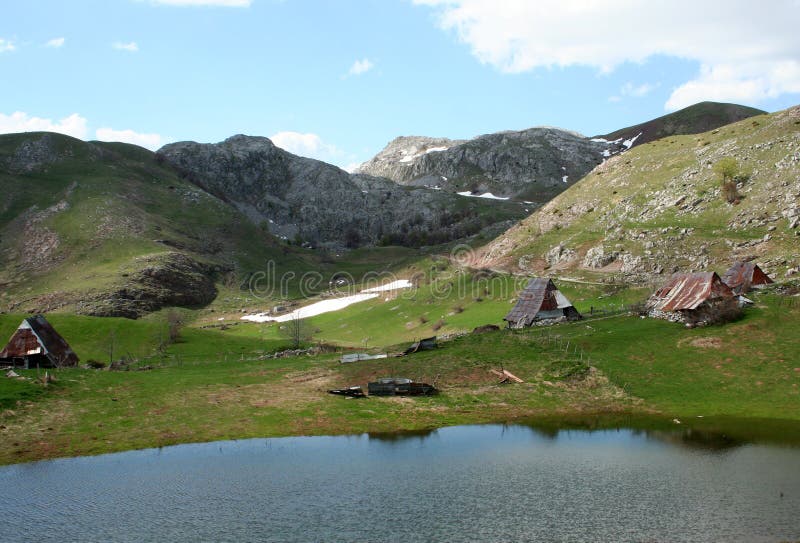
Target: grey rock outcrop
x,y
172,279
319,204
560,254
598,257
534,164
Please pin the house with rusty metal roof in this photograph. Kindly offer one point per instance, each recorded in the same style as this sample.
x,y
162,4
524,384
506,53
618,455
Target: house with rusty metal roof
x,y
744,276
540,302
692,298
36,343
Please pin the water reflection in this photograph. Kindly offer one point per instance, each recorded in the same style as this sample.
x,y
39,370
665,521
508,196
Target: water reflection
x,y
697,439
405,435
658,481
710,434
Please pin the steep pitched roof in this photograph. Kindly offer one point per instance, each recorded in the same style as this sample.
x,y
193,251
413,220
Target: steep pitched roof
x,y
36,336
742,275
686,291
539,295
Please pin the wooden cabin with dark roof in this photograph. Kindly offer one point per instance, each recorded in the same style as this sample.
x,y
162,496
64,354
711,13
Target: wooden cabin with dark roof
x,y
541,302
36,343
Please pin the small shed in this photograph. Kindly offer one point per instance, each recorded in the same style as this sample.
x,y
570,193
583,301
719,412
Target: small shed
x,y
400,386
425,344
692,298
541,302
357,357
743,276
36,343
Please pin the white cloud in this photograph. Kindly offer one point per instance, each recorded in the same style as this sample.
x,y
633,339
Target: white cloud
x,y
360,67
218,3
55,43
351,167
738,83
6,46
131,47
637,91
74,125
312,146
149,141
309,145
748,51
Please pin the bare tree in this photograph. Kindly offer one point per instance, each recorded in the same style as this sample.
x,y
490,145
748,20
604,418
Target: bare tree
x,y
112,340
296,330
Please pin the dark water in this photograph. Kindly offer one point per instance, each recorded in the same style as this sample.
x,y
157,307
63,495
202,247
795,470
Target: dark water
x,y
470,483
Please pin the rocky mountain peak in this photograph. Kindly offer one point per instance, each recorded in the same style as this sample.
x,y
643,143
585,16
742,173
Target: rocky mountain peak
x,y
535,164
318,204
244,142
404,150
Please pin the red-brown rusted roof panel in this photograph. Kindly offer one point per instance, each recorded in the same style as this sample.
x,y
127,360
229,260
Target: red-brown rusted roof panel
x,y
760,277
36,333
740,273
23,343
690,290
743,275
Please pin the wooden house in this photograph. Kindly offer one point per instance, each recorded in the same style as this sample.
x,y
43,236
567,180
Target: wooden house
x,y
36,343
741,277
540,302
692,298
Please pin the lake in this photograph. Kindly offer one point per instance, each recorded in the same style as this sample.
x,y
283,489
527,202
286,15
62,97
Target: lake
x,y
468,483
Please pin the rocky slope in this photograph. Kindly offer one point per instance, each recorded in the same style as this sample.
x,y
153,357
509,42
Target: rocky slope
x,y
660,208
534,164
319,204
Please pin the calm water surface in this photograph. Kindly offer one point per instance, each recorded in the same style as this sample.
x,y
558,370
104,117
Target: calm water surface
x,y
470,483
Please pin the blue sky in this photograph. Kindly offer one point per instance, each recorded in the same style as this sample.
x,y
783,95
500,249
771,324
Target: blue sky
x,y
337,80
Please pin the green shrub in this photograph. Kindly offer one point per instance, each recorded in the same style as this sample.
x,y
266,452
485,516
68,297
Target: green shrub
x,y
728,170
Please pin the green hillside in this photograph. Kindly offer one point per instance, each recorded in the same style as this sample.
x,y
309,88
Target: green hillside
x,y
695,119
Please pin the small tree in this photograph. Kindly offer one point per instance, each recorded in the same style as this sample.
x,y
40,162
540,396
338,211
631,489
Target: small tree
x,y
296,330
174,325
727,168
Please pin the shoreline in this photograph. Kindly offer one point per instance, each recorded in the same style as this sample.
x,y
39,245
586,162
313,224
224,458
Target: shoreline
x,y
734,430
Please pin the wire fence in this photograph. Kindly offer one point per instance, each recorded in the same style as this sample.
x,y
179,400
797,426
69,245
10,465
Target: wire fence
x,y
550,337
568,345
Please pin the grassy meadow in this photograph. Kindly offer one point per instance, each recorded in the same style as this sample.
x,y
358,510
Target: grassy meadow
x,y
219,383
